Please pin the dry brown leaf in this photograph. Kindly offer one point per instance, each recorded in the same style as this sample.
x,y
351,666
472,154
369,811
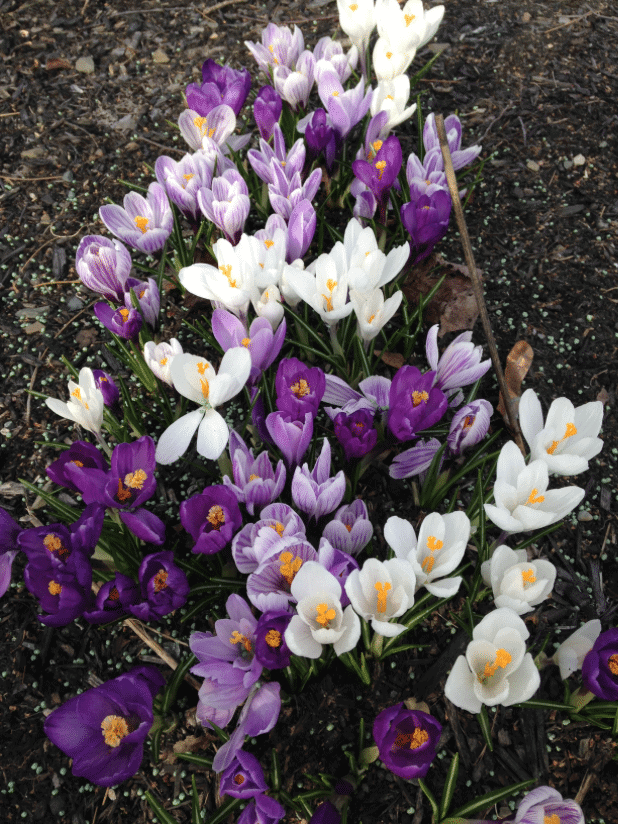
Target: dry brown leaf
x,y
55,63
86,337
603,396
518,363
394,359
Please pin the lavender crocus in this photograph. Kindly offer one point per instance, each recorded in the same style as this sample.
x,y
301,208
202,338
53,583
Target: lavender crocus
x,y
255,543
416,460
227,204
104,729
109,390
379,173
299,388
113,600
126,323
350,530
183,179
544,804
285,193
264,161
600,667
320,137
220,84
407,740
269,587
414,403
262,343
315,492
426,220
300,230
279,47
211,518
262,810
164,587
469,426
356,433
144,223
267,111
460,363
80,453
9,533
243,778
271,649
294,85
452,126
148,298
103,265
345,108
255,483
290,434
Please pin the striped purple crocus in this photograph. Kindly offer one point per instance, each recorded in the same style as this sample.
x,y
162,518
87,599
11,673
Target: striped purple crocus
x,y
145,223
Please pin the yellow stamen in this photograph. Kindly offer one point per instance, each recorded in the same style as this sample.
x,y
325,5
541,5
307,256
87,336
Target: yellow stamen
x,y
335,94
353,7
124,314
370,320
278,527
535,498
419,397
53,543
239,779
502,659
54,588
389,97
239,638
377,145
163,361
202,367
612,663
300,388
330,285
324,615
160,580
409,18
380,166
273,638
136,479
269,243
289,566
411,740
141,223
428,563
468,421
216,517
226,269
188,177
205,387
253,477
114,729
201,123
382,590
389,55
245,342
571,430
528,576
554,818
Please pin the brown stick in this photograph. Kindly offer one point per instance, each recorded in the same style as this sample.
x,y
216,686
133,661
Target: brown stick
x,y
158,649
476,282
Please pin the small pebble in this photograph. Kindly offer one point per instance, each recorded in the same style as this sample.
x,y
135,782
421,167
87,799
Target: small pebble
x,y
584,516
579,160
85,65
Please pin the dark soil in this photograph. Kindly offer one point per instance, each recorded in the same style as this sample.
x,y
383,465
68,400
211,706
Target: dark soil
x,y
536,84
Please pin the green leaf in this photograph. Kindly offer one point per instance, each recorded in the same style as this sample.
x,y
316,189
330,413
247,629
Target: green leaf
x,y
485,726
162,815
196,817
198,760
449,786
224,811
543,704
429,795
275,771
169,696
491,798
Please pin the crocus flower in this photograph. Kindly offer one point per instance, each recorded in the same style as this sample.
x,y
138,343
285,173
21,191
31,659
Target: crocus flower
x,y
279,47
164,587
496,668
243,778
356,433
325,289
104,729
358,21
255,483
196,379
315,492
269,305
452,126
269,587
80,453
220,84
267,111
382,590
226,204
414,403
546,804
407,740
388,63
208,132
522,500
126,323
85,406
211,518
113,600
460,364
289,163
320,619
568,439
109,390
391,96
286,192
332,51
299,388
410,26
271,649
103,265
255,543
51,547
345,108
517,582
326,813
571,653
144,223
373,312
600,667
300,230
9,532
148,298
129,483
295,86
426,220
230,283
159,358
183,179
291,435
469,426
261,342
262,810
380,173
63,589
320,137
350,530
440,548
416,460
374,395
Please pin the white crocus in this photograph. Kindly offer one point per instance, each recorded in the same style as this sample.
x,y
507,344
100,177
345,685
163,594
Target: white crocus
x,y
326,290
496,668
268,305
159,358
218,125
85,405
391,96
571,653
357,19
441,545
517,582
523,501
408,27
231,282
388,63
373,312
321,618
196,380
382,590
568,438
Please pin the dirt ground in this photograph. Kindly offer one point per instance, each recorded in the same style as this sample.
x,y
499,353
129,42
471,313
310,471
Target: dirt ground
x,y
86,92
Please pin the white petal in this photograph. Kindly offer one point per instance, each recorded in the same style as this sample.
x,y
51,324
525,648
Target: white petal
x,y
174,441
523,683
399,535
445,588
459,687
299,639
213,435
349,639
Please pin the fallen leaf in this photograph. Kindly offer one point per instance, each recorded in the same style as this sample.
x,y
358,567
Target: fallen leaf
x,y
55,63
394,359
603,396
518,363
86,337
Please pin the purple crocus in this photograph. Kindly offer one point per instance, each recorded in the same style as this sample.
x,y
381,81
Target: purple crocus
x,y
52,546
294,85
129,483
460,364
350,530
300,230
262,810
356,433
426,220
211,518
257,542
320,137
183,179
109,390
407,740
227,204
315,492
600,667
267,111
255,483
345,108
277,156
80,453
113,600
104,729
220,84
469,426
279,47
326,813
299,388
271,649
269,587
63,590
291,435
126,323
243,778
145,222
263,344
9,533
416,460
285,193
544,804
452,126
148,298
164,587
414,403
103,265
379,173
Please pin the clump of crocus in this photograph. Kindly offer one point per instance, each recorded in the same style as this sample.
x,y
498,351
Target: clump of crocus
x,y
414,403
407,740
103,730
103,265
85,405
